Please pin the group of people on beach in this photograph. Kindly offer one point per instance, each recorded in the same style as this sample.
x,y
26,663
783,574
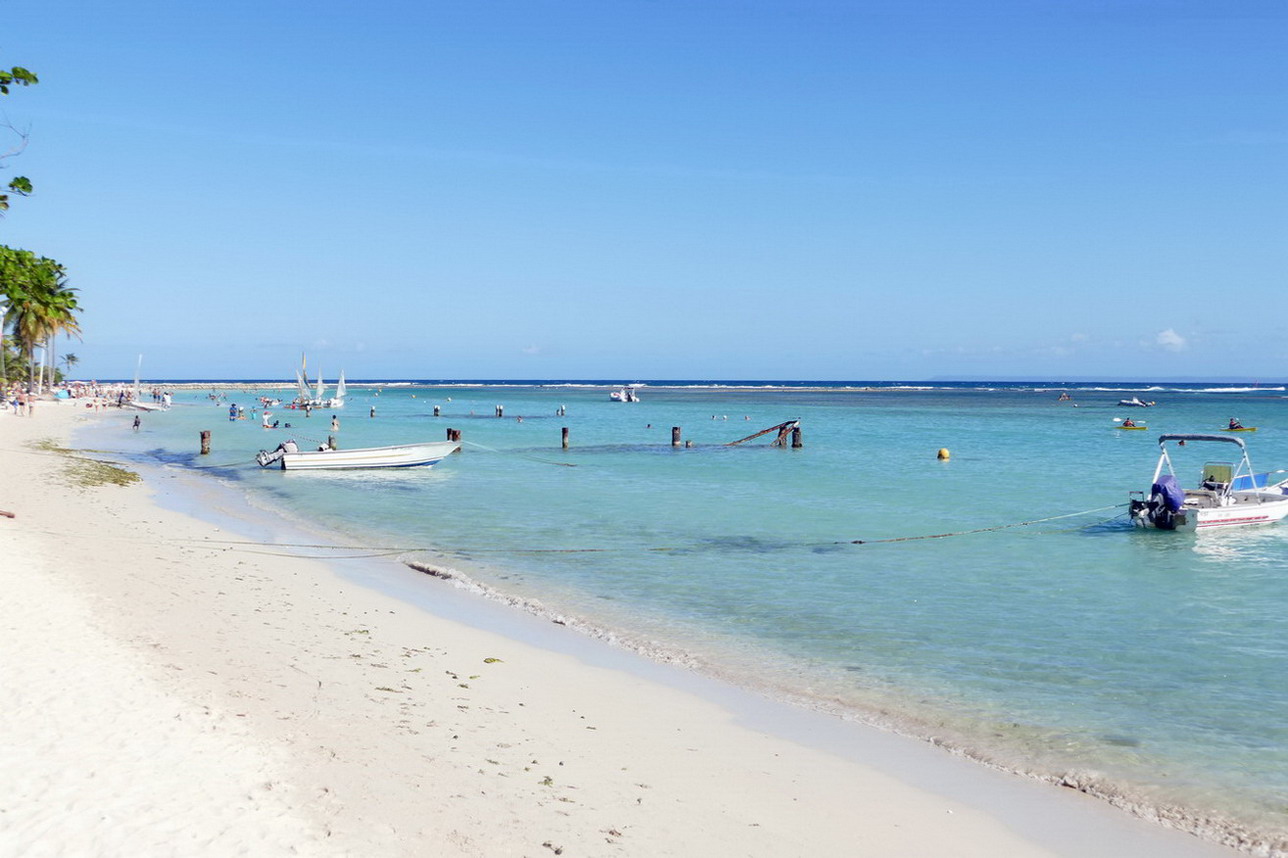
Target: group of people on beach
x,y
21,402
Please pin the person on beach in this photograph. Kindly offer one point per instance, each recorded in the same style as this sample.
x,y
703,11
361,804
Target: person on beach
x,y
137,421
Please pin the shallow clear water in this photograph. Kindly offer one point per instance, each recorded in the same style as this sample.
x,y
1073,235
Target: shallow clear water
x,y
1068,643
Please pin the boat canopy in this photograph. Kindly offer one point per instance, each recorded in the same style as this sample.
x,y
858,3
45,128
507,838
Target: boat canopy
x,y
1228,439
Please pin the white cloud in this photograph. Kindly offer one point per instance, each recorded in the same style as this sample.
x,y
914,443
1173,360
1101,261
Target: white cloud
x,y
1170,340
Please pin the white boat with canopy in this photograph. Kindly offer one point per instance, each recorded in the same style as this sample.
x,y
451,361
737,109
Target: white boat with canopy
x,y
289,457
1229,493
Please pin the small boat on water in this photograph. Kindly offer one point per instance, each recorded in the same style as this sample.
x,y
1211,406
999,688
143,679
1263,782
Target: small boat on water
x,y
625,394
136,401
316,398
289,457
1228,494
1135,402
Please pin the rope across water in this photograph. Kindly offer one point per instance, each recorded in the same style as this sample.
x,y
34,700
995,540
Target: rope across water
x,y
389,551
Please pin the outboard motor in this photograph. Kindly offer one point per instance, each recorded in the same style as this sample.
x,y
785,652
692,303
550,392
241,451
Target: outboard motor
x,y
266,458
1165,500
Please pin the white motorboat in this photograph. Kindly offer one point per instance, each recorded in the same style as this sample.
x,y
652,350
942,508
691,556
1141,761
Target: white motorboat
x,y
1135,402
289,457
1228,493
625,394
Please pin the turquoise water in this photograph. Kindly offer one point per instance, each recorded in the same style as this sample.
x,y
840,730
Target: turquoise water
x,y
1073,643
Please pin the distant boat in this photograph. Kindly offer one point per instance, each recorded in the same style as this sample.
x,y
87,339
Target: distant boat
x,y
625,394
1135,402
289,457
316,398
137,403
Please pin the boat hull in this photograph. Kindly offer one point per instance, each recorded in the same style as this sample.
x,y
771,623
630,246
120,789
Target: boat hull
x,y
401,456
1246,509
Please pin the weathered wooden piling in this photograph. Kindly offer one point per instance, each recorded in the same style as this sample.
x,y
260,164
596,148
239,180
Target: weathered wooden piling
x,y
205,442
675,436
564,433
500,411
796,438
330,442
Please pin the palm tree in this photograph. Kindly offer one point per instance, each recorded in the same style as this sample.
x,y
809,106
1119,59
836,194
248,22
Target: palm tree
x,y
69,360
41,304
63,307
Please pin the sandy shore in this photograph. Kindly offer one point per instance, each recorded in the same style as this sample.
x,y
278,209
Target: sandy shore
x,y
166,692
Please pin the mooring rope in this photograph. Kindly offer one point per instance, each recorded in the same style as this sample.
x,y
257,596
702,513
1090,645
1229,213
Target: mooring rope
x,y
520,455
238,463
388,551
978,529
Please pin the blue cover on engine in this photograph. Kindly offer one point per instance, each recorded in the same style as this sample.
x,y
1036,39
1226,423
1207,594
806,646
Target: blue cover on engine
x,y
1173,495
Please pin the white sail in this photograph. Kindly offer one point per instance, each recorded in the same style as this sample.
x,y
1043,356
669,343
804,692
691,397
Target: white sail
x,y
339,389
137,402
321,394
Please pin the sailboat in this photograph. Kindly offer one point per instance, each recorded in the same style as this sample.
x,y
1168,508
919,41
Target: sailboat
x,y
316,398
137,402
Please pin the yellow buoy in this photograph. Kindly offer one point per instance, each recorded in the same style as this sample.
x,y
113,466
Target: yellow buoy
x,y
944,454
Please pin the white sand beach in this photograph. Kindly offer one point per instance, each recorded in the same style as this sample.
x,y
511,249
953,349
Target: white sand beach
x,y
166,692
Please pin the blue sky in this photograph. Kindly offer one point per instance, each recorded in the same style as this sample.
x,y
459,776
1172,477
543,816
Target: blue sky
x,y
660,188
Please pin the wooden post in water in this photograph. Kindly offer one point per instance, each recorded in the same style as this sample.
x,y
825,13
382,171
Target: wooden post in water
x,y
205,442
564,432
330,442
796,438
500,411
675,436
